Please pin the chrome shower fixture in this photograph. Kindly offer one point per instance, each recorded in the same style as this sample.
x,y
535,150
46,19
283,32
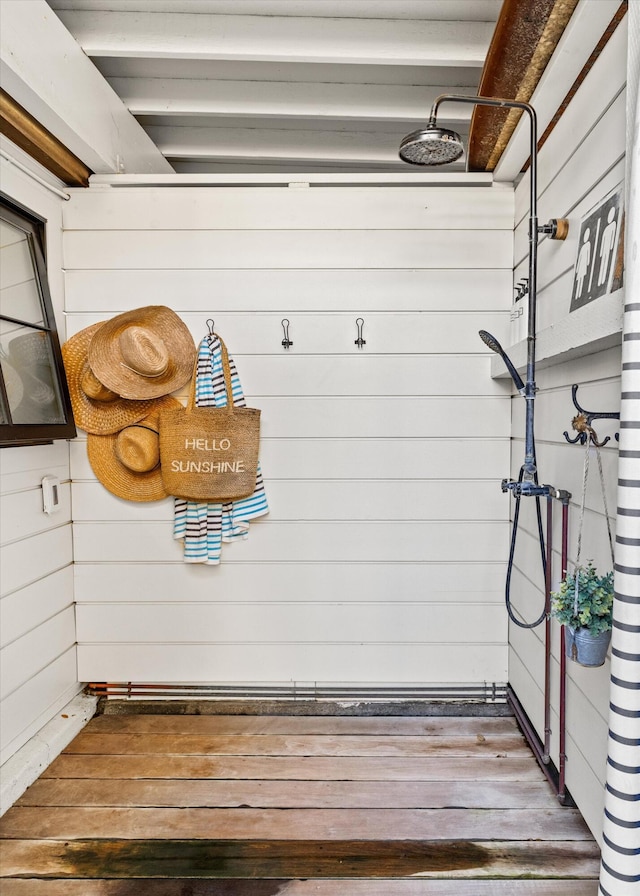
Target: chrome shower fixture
x,y
431,146
438,146
495,346
428,147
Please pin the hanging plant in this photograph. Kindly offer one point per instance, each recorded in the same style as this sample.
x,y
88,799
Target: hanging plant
x,y
589,607
584,601
585,608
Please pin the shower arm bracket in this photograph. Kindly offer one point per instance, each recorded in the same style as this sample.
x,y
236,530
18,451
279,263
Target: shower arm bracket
x,y
581,423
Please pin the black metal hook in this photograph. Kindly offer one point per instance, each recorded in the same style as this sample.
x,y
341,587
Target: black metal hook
x,y
521,289
360,341
286,342
581,423
210,323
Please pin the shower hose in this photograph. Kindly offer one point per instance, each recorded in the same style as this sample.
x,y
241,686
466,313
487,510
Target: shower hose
x,y
512,550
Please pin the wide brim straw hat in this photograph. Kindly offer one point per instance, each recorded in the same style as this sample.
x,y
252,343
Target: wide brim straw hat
x,y
127,463
102,412
144,353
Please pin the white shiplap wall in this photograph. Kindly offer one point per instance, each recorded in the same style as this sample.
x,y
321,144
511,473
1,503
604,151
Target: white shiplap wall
x,y
37,626
382,559
582,161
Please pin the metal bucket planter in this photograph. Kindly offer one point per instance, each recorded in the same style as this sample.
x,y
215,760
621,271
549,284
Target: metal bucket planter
x,y
585,648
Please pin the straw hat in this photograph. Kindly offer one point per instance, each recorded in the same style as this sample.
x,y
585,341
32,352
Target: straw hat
x,y
96,409
143,353
128,463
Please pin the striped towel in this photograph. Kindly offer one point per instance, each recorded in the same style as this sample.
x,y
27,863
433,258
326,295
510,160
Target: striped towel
x,y
204,527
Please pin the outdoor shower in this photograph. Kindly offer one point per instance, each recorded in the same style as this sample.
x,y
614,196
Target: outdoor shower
x,y
434,145
438,146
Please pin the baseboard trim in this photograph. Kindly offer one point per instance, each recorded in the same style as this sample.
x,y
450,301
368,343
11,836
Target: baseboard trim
x,y
28,763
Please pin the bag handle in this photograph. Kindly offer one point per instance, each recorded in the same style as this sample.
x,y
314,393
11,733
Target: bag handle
x,y
226,370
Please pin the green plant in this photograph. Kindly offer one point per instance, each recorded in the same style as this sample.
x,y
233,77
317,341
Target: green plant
x,y
594,607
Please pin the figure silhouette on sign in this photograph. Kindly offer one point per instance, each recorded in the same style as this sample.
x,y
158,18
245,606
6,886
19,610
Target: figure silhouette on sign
x,y
607,244
584,259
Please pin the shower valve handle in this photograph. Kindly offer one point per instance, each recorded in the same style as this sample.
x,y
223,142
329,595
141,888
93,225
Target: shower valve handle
x,y
526,489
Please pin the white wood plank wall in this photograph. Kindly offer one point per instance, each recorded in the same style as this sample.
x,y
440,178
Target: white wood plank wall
x,y
38,674
382,559
582,161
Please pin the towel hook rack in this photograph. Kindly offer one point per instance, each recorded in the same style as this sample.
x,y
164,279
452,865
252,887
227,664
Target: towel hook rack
x,y
581,423
360,341
210,324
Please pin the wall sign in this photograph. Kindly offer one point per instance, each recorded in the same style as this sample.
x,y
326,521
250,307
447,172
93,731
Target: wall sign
x,y
597,250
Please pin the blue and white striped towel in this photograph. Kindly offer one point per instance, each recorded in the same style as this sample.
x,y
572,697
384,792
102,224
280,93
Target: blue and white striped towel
x,y
205,526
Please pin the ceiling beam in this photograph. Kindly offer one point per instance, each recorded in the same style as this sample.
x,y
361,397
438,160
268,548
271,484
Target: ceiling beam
x,y
27,133
251,144
271,99
279,39
46,72
526,35
477,10
296,72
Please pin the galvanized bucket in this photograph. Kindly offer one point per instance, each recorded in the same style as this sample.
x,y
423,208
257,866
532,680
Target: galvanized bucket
x,y
585,648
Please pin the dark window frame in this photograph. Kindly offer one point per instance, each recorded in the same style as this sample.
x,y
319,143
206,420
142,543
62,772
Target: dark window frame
x,y
20,434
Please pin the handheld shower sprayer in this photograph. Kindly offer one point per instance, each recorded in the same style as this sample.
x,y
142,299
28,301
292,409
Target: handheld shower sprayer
x,y
529,466
495,346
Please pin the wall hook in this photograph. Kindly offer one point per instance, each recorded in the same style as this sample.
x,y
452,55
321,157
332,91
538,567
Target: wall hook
x,y
210,323
581,423
521,289
360,341
286,342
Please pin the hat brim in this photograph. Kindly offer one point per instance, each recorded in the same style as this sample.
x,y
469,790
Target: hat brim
x,y
105,355
97,417
115,476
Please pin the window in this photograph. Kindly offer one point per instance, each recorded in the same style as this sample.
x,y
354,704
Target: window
x,y
34,399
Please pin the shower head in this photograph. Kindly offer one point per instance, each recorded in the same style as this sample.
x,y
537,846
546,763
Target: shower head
x,y
431,146
491,341
495,346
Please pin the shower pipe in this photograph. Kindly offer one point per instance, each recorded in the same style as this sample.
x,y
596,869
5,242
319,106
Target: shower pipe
x,y
433,145
562,734
439,146
541,748
546,756
534,230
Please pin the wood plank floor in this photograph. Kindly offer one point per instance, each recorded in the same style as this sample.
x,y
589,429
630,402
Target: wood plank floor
x,y
212,805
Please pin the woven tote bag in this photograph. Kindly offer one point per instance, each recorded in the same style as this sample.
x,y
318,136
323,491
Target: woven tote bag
x,y
210,454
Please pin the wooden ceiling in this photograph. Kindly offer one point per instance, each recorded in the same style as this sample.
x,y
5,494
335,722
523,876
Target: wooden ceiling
x,y
285,85
270,87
